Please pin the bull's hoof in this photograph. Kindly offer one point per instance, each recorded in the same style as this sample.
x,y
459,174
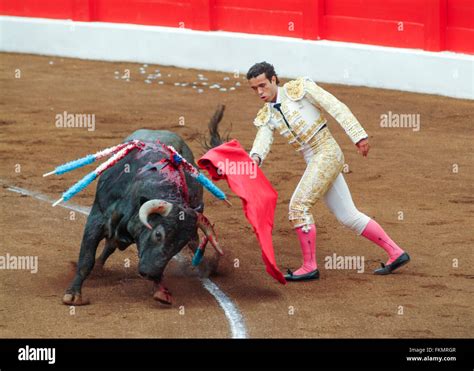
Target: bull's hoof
x,y
74,299
162,295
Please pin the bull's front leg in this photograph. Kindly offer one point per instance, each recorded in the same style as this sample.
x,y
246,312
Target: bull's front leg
x,y
109,249
93,234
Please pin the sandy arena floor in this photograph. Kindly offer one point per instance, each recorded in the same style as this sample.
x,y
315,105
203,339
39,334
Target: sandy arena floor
x,y
407,171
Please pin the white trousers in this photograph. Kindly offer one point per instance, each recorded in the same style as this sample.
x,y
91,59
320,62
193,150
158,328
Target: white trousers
x,y
323,179
339,200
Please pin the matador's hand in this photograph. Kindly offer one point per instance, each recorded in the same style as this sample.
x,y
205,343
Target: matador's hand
x,y
256,159
363,147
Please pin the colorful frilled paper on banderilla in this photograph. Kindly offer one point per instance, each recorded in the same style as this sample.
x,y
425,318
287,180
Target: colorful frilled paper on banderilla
x,y
230,161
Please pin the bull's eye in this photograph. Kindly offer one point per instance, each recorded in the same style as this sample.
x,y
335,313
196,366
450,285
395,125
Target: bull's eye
x,y
159,234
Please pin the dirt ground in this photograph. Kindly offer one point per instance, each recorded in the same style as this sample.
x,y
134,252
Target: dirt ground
x,y
426,176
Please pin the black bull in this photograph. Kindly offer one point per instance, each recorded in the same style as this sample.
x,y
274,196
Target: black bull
x,y
145,200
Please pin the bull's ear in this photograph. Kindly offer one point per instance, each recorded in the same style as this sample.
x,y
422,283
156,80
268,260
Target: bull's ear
x,y
186,215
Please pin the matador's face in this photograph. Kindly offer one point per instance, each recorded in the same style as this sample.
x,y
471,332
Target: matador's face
x,y
264,88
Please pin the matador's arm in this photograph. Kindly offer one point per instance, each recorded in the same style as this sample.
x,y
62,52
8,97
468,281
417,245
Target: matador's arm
x,y
264,138
320,97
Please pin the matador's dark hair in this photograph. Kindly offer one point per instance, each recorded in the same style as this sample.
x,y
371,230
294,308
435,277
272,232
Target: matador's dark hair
x,y
262,67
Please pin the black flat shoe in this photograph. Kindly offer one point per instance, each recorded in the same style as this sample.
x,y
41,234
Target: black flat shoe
x,y
389,268
314,275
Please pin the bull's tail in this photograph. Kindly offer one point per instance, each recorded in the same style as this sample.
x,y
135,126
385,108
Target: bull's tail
x,y
215,138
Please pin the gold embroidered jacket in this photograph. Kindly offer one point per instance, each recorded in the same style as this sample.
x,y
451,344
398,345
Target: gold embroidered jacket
x,y
301,100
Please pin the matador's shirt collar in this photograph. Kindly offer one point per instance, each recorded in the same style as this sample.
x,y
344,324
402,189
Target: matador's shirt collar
x,y
278,100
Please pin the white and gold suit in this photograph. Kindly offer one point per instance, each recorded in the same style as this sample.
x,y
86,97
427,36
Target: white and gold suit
x,y
301,101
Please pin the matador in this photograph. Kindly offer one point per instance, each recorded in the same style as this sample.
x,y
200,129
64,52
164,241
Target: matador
x,y
295,110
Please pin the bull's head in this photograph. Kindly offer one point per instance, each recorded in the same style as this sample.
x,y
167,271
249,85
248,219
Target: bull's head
x,y
169,227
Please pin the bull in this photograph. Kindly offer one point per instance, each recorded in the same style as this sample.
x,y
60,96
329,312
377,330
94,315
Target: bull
x,y
145,200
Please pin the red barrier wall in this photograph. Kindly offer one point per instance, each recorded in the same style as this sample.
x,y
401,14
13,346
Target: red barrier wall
x,y
433,25
460,26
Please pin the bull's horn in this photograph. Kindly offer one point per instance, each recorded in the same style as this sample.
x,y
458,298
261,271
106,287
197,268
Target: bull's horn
x,y
153,207
204,224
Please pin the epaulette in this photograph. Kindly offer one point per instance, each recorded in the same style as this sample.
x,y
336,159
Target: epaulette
x,y
294,89
263,116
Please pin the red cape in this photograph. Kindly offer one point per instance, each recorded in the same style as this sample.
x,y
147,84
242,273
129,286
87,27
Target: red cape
x,y
257,194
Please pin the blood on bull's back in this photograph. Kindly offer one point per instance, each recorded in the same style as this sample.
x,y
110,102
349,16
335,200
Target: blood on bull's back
x,y
148,172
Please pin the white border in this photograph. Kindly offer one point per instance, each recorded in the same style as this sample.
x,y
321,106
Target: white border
x,y
443,73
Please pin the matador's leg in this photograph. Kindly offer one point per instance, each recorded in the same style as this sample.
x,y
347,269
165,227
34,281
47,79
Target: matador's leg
x,y
339,201
324,164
